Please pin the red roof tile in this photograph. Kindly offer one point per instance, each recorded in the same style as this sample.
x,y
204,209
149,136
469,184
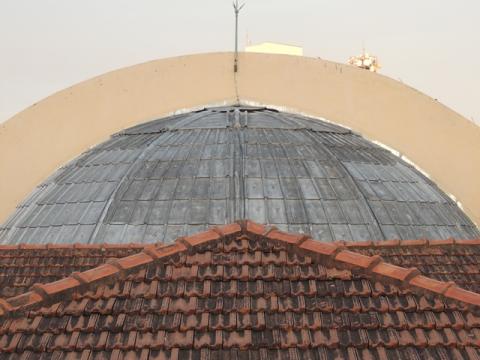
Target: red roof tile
x,y
251,289
20,268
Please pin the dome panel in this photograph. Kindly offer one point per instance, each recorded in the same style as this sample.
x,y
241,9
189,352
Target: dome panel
x,y
176,176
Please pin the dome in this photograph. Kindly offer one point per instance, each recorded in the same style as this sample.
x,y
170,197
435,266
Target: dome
x,y
179,175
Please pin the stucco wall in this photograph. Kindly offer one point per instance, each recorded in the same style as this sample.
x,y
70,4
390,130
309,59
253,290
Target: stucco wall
x,y
45,136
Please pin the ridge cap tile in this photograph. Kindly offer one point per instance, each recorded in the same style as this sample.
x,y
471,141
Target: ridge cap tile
x,y
254,228
387,243
24,246
157,252
286,237
8,247
24,300
98,273
391,271
201,238
131,262
360,244
414,242
441,242
467,241
226,230
322,248
410,242
58,246
55,288
5,305
426,283
456,293
356,259
87,246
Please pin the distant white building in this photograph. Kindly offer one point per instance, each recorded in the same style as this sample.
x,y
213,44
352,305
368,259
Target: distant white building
x,y
275,48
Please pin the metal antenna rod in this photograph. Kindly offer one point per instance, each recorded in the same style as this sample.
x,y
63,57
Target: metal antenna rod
x,y
237,9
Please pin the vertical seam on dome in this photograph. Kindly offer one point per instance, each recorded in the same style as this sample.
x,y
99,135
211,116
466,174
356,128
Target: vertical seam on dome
x,y
302,128
185,224
126,177
240,177
171,134
231,168
242,148
300,192
170,203
363,197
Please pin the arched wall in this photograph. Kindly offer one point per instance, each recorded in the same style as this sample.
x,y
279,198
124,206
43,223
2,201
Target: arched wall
x,y
37,141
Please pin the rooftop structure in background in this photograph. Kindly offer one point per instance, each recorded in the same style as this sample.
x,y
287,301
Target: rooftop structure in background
x,y
365,61
275,48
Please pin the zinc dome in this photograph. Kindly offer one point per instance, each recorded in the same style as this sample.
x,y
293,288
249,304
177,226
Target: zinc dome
x,y
179,175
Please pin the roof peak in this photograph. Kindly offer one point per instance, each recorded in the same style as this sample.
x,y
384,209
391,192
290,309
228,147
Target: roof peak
x,y
328,254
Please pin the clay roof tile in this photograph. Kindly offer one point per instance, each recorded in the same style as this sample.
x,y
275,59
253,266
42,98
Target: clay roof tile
x,y
242,287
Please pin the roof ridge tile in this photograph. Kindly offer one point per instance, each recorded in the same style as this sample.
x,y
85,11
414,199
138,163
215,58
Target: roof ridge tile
x,y
291,239
330,254
227,230
457,293
24,246
8,247
393,272
77,275
57,288
4,307
50,246
88,246
411,242
467,241
415,242
356,259
200,238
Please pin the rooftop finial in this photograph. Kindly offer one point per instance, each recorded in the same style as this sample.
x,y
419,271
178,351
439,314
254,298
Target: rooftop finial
x,y
237,9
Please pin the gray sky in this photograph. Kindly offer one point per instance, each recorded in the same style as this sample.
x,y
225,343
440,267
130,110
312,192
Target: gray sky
x,y
47,45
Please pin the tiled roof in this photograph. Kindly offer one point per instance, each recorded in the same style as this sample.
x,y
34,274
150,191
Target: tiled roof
x,y
444,260
23,265
244,291
180,175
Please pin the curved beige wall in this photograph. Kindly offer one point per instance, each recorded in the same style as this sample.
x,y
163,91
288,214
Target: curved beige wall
x,y
45,136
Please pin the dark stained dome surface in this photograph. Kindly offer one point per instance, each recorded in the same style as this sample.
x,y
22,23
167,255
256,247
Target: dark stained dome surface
x,y
178,175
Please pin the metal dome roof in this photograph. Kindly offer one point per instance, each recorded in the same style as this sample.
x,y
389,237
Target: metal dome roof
x,y
178,175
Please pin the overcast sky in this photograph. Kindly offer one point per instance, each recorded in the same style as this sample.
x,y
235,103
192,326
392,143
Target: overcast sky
x,y
47,45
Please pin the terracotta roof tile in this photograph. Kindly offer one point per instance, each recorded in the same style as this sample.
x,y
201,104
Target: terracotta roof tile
x,y
25,300
201,238
456,293
321,249
393,272
252,290
354,259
